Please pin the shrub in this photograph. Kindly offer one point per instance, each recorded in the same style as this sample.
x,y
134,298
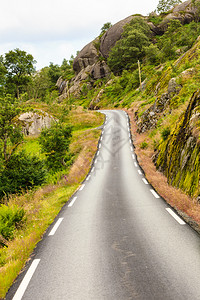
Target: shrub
x,y
143,145
165,133
11,218
55,143
22,172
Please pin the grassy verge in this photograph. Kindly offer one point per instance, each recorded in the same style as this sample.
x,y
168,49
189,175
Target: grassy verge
x,y
42,205
187,207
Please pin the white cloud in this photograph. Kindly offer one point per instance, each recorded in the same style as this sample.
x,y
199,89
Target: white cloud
x,y
48,29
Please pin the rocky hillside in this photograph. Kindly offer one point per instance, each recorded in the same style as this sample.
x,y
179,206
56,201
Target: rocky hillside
x,y
166,104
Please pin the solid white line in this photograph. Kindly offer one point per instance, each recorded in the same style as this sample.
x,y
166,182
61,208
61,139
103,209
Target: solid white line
x,y
53,230
133,156
72,202
177,218
139,172
155,194
135,164
145,181
23,286
82,187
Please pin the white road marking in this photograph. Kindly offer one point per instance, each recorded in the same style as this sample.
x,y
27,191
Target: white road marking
x,y
145,181
103,132
130,142
88,177
135,164
132,149
155,194
53,230
72,202
98,153
177,218
82,187
139,172
133,156
95,161
92,169
101,138
128,129
99,146
23,286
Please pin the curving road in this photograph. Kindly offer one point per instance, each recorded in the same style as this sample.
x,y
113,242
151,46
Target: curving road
x,y
116,238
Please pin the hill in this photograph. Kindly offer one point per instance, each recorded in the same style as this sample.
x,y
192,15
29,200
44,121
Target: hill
x,y
163,97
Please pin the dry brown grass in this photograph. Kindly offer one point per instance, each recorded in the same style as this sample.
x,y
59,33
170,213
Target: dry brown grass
x,y
185,205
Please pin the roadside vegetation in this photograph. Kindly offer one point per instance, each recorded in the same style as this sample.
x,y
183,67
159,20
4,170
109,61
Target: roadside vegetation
x,y
152,78
38,174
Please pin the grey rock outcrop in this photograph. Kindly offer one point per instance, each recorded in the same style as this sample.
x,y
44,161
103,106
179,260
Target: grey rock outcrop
x,y
34,122
150,117
86,57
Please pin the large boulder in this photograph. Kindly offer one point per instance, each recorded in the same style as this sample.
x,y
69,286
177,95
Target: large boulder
x,y
112,35
86,57
34,122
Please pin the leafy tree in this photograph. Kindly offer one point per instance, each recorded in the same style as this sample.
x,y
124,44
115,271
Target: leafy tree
x,y
55,143
39,84
131,47
10,130
105,27
3,72
54,72
165,5
19,66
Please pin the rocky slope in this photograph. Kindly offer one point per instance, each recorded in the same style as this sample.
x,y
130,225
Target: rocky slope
x,y
90,63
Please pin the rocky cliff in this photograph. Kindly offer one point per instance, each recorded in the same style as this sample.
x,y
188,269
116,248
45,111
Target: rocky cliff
x,y
179,156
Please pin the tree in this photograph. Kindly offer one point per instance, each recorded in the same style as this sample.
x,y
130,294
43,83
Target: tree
x,y
131,46
19,66
10,130
105,27
55,143
165,5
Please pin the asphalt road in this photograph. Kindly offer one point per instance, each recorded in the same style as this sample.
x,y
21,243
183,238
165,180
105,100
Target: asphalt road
x,y
116,238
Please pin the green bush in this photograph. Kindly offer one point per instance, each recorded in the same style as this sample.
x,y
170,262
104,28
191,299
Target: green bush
x,y
55,143
11,218
21,172
165,133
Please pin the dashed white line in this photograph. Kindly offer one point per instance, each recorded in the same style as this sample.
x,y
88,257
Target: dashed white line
x,y
140,173
52,232
92,169
82,187
130,142
177,218
135,164
133,156
23,286
72,202
132,149
155,194
99,146
145,181
88,177
97,153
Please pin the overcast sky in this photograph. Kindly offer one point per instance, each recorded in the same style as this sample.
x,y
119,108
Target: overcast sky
x,y
54,30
